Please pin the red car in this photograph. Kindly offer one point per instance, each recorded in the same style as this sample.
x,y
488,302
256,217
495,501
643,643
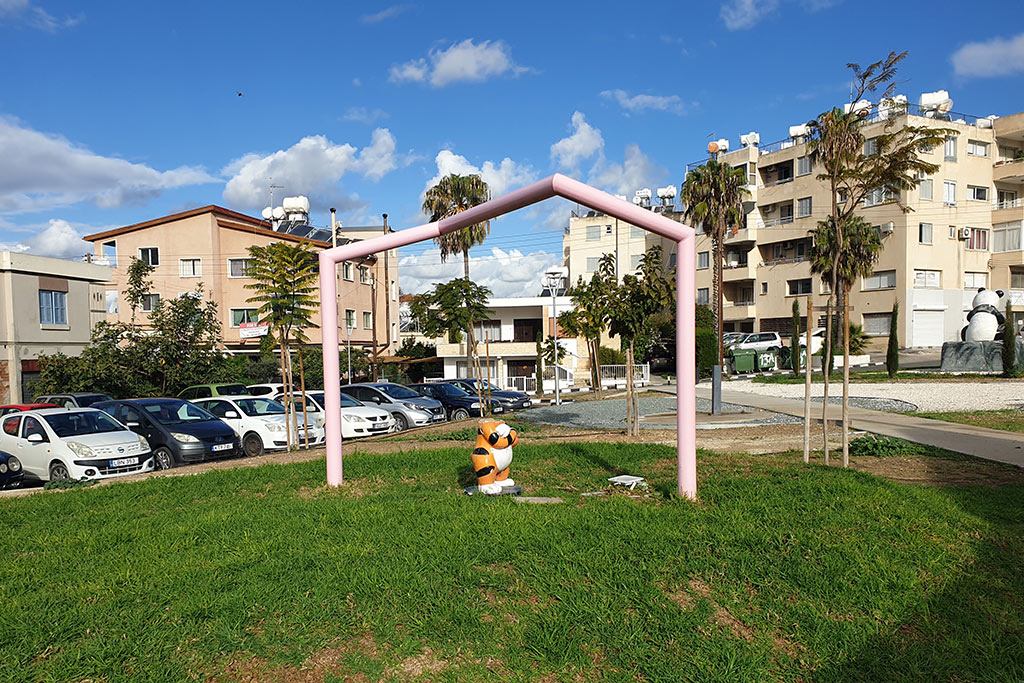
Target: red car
x,y
17,407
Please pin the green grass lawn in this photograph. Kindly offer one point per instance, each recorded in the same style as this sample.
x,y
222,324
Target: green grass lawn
x,y
1007,420
780,572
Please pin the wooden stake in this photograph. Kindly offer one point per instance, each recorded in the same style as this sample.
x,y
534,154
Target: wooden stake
x,y
807,385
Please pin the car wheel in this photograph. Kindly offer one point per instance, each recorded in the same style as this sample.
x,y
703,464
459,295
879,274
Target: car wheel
x,y
460,414
58,471
252,445
401,422
163,459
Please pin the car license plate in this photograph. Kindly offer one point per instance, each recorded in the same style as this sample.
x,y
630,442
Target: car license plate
x,y
499,410
380,425
223,447
124,462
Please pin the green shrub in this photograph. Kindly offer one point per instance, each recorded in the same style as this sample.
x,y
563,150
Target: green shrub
x,y
707,351
892,352
1009,350
609,356
883,446
704,319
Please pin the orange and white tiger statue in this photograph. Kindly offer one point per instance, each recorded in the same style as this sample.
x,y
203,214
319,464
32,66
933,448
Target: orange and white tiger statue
x,y
492,456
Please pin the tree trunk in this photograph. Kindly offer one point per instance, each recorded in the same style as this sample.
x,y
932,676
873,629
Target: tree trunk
x,y
302,389
469,347
846,379
719,322
826,353
284,382
629,395
597,360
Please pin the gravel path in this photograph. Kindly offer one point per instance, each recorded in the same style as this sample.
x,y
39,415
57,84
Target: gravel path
x,y
611,413
927,396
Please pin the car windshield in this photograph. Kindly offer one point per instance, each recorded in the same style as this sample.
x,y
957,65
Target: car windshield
x,y
232,390
78,424
258,407
88,399
451,390
346,400
398,391
174,412
311,405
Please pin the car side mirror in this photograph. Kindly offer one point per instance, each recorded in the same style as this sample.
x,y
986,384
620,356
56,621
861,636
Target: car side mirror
x,y
35,438
231,415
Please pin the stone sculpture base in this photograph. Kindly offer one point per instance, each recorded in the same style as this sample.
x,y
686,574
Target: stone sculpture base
x,y
984,356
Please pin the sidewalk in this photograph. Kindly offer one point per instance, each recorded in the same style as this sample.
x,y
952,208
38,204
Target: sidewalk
x,y
980,442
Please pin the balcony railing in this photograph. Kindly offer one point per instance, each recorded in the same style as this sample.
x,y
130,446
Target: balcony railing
x,y
615,375
778,221
728,304
1011,204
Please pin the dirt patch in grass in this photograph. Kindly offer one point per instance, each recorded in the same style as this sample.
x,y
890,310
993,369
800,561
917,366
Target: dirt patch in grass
x,y
330,661
353,488
932,471
427,662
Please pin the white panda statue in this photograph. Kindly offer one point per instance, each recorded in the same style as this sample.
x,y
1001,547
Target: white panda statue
x,y
984,319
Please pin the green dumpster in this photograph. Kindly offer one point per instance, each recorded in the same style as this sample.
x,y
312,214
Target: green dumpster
x,y
743,360
767,360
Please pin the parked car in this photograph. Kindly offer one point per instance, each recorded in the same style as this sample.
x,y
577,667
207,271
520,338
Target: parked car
x,y
455,400
78,443
11,473
314,411
258,421
177,431
407,407
356,419
759,341
730,338
210,390
82,399
268,389
509,400
20,407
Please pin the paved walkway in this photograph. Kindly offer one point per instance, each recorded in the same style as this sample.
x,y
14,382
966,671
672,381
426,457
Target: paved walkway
x,y
980,442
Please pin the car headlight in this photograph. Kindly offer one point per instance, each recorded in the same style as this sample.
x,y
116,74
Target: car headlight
x,y
184,438
474,404
3,468
352,418
79,449
14,464
275,427
142,442
413,406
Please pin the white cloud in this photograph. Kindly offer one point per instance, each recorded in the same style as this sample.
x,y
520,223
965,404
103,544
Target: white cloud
x,y
583,143
506,273
388,13
311,166
637,103
465,61
996,57
500,177
364,115
41,171
744,14
636,171
23,11
58,238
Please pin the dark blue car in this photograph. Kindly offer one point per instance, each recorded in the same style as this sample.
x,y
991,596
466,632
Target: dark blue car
x,y
11,473
509,400
457,403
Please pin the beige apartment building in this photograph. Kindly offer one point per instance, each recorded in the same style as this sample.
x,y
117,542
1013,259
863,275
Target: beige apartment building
x,y
49,306
208,246
964,232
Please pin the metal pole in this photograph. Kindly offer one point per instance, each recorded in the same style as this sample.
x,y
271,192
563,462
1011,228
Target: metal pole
x,y
554,333
807,383
332,387
686,368
348,331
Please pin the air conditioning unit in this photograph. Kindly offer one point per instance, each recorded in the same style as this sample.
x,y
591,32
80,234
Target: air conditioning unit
x,y
769,209
887,228
965,233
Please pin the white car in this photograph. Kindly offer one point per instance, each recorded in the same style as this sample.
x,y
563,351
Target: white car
x,y
769,341
267,390
258,421
80,443
356,419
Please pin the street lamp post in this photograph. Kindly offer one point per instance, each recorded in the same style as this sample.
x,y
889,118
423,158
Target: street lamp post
x,y
552,279
348,330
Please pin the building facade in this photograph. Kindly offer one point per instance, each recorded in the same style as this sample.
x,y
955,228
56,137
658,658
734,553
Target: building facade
x,y
49,306
208,246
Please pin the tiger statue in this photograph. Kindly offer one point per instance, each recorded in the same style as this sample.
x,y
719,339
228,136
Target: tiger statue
x,y
493,455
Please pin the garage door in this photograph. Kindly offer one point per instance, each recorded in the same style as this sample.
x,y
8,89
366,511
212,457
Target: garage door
x,y
927,328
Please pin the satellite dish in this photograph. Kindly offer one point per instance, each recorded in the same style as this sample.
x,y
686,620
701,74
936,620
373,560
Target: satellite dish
x,y
712,147
278,213
268,213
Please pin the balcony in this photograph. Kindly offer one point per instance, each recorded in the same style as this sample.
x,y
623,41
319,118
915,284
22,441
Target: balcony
x,y
746,235
784,220
1009,171
1004,212
739,271
499,348
738,310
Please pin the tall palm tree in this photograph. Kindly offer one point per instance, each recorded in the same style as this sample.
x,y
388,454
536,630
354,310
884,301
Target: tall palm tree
x,y
713,196
452,195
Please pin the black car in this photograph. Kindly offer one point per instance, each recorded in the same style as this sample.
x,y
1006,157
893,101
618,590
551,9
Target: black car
x,y
457,403
178,431
11,472
509,400
82,399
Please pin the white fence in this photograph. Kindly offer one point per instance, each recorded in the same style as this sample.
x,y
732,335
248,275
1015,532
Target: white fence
x,y
615,375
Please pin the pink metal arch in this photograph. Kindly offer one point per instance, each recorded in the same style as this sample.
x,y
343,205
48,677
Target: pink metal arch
x,y
554,186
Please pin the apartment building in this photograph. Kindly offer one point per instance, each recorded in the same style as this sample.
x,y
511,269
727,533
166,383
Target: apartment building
x,y
964,232
208,246
47,306
383,279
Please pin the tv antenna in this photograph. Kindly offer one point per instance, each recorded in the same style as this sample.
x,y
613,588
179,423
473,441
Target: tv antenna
x,y
272,188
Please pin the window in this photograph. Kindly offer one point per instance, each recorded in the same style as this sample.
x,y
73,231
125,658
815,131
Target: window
x,y
238,267
593,233
877,324
110,253
350,318
803,165
150,301
487,330
637,233
950,148
703,296
975,281
924,233
881,279
190,267
1017,279
879,196
778,251
364,275
870,146
1006,236
764,287
786,213
800,249
927,279
53,307
953,233
803,207
1006,199
924,188
977,148
367,320
150,256
797,287
672,260
243,315
346,271
592,263
634,261
111,301
977,193
978,241
703,260
949,192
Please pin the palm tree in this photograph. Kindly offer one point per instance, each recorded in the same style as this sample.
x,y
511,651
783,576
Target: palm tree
x,y
713,196
452,195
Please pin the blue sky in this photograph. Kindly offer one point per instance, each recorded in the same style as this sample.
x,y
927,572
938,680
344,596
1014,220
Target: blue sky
x,y
114,113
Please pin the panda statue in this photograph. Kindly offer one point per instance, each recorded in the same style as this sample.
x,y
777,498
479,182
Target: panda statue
x,y
984,320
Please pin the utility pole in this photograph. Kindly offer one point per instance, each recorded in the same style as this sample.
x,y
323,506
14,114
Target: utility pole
x,y
373,324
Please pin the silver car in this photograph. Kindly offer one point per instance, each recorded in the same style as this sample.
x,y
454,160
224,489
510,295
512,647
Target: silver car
x,y
409,408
